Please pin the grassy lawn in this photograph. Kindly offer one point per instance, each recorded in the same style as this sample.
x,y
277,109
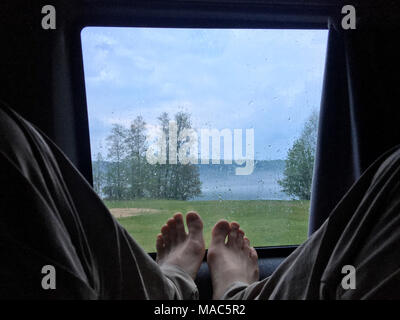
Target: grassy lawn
x,y
265,222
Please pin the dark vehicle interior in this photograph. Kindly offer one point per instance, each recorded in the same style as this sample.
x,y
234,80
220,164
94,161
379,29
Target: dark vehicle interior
x,y
42,78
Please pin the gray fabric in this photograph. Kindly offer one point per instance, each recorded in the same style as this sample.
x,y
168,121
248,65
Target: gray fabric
x,y
51,215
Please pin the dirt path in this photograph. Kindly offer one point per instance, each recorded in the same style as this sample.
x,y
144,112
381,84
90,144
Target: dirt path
x,y
130,212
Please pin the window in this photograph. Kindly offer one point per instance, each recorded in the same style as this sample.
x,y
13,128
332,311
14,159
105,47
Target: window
x,y
220,121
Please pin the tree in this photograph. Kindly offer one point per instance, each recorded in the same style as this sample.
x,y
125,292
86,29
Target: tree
x,y
187,183
127,174
163,170
98,173
174,179
136,147
116,173
300,161
185,177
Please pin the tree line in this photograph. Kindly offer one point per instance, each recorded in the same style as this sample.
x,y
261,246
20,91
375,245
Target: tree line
x,y
125,174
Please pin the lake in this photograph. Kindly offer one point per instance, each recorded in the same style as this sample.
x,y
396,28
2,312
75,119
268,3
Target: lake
x,y
219,182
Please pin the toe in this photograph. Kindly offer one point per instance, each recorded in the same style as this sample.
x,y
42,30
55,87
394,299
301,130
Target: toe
x,y
253,254
246,247
172,230
240,240
195,225
233,235
180,228
160,246
246,242
165,236
219,232
159,242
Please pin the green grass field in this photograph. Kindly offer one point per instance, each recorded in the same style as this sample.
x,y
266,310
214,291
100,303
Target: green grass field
x,y
265,222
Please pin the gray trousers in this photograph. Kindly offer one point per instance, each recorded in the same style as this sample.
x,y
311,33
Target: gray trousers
x,y
50,215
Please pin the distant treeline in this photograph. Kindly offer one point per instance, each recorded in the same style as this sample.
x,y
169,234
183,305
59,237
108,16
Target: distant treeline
x,y
126,174
205,171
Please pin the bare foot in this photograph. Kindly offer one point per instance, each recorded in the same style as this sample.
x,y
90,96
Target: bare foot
x,y
230,262
176,247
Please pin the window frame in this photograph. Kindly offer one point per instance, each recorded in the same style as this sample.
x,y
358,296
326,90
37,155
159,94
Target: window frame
x,y
256,14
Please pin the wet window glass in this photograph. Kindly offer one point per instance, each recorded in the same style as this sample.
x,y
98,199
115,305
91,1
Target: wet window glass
x,y
219,121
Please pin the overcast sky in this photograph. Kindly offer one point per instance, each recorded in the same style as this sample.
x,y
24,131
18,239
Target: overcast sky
x,y
269,80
